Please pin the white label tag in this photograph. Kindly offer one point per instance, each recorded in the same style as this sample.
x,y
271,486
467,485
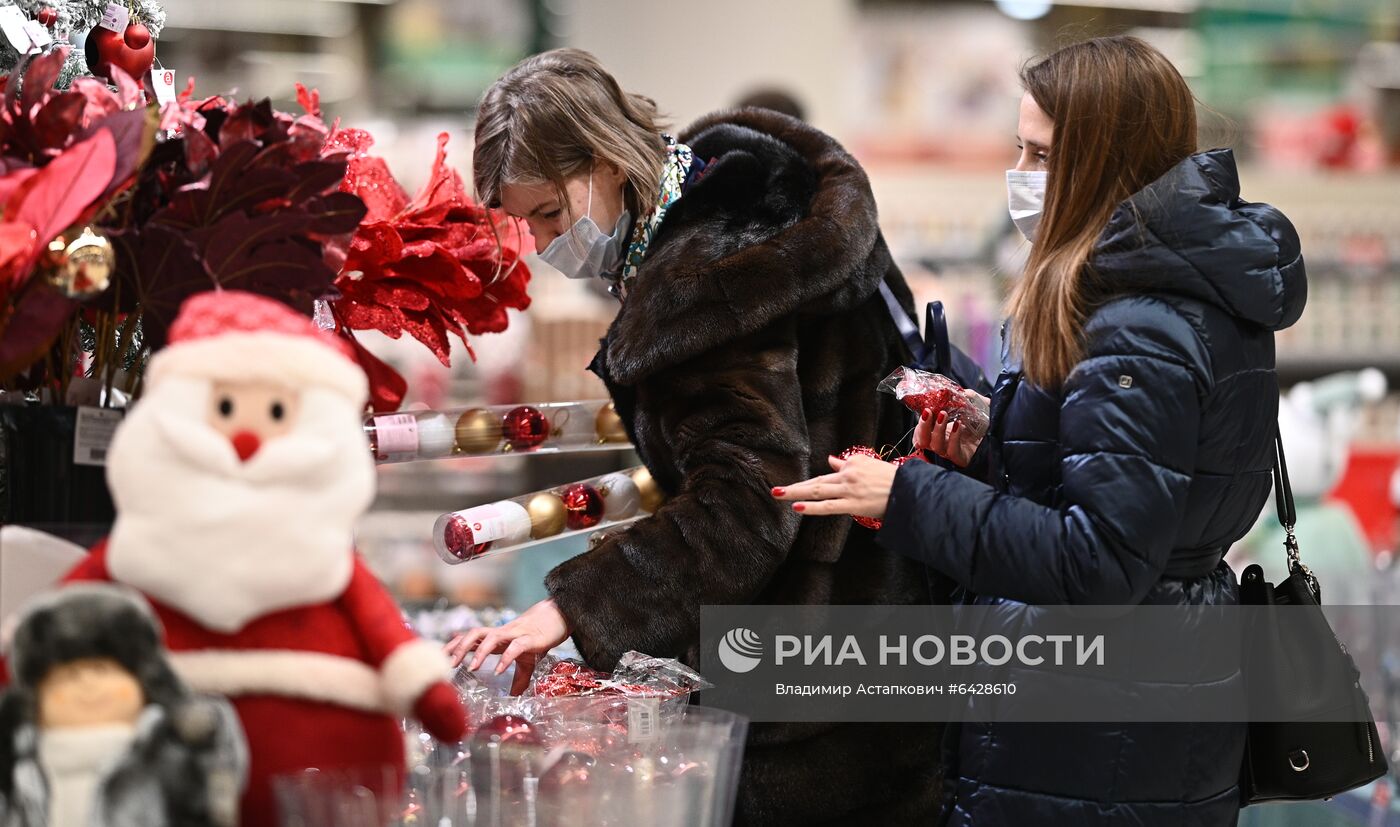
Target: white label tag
x,y
93,435
14,25
38,34
643,719
115,17
396,435
164,82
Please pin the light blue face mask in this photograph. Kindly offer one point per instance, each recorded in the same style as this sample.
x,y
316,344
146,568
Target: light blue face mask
x,y
1025,198
583,252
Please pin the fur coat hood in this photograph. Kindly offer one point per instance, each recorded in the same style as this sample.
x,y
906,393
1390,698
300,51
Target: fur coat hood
x,y
821,252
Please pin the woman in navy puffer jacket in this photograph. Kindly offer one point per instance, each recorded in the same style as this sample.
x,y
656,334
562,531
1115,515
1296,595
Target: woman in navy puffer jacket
x,y
1132,429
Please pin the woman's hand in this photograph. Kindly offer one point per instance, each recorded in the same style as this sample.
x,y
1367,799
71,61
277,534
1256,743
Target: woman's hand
x,y
521,641
944,438
860,487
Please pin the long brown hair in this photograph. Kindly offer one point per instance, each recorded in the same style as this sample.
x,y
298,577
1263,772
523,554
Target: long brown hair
x,y
554,115
1123,116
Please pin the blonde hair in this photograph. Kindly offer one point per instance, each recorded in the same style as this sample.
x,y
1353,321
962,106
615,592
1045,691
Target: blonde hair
x,y
1123,117
556,114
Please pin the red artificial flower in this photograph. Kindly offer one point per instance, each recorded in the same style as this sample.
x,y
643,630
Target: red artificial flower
x,y
430,266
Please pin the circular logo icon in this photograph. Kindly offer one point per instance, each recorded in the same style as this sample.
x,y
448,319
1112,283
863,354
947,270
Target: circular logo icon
x,y
740,650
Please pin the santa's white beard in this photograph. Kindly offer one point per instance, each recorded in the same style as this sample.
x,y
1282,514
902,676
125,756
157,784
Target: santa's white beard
x,y
224,541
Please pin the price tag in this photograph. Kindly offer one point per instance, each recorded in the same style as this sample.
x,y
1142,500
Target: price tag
x,y
642,719
115,17
38,34
93,435
164,82
396,435
14,25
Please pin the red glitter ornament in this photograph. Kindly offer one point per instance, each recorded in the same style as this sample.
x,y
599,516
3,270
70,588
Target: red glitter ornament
x,y
583,506
905,460
864,451
458,537
525,428
506,729
47,16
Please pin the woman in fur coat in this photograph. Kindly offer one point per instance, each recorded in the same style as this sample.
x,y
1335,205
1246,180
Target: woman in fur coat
x,y
749,341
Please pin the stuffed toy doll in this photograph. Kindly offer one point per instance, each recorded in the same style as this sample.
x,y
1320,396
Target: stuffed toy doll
x,y
238,478
97,731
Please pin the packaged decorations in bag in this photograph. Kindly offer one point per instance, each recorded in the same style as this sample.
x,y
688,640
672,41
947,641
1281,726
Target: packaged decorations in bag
x,y
933,392
586,506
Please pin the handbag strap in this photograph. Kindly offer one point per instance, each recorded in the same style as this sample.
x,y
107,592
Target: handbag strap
x,y
1287,513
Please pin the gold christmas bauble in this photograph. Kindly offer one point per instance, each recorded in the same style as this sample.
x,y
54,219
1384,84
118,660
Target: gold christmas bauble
x,y
81,268
650,491
478,431
609,425
547,515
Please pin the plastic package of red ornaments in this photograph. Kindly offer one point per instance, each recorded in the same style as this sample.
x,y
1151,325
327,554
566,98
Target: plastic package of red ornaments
x,y
922,391
548,427
583,747
581,507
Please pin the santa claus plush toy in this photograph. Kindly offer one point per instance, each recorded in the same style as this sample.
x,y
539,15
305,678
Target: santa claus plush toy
x,y
237,479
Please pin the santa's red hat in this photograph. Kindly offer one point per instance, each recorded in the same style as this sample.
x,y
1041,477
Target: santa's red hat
x,y
236,336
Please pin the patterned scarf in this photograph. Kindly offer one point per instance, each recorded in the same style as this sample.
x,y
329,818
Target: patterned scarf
x,y
673,177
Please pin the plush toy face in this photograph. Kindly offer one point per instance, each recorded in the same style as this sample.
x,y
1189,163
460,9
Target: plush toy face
x,y
251,413
89,692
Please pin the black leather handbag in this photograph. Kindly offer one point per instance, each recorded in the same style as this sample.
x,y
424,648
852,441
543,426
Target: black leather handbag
x,y
1312,735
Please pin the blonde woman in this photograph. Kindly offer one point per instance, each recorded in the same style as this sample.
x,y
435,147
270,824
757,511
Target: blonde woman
x,y
750,334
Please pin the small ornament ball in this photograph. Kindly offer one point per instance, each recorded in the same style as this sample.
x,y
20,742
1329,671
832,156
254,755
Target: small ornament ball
x,y
48,16
609,425
649,490
525,428
583,506
458,537
621,498
137,36
547,515
477,431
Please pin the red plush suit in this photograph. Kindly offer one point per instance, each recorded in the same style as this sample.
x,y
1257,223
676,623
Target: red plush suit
x,y
312,685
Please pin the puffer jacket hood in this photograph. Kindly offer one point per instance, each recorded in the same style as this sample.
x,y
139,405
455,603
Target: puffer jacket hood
x,y
1189,234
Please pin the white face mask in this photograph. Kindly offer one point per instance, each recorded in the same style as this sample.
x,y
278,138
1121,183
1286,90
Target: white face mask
x,y
1025,197
583,252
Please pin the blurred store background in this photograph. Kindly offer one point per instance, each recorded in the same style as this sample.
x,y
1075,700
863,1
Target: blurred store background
x,y
924,92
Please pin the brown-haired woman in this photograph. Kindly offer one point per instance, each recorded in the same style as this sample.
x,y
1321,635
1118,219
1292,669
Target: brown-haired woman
x,y
749,339
1132,429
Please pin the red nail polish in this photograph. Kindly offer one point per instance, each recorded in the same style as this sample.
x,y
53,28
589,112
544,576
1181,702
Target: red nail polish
x,y
799,507
778,492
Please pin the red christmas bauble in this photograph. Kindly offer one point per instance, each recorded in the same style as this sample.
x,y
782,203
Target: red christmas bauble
x,y
47,15
915,457
506,729
864,451
583,506
106,48
459,539
572,769
137,36
860,451
525,428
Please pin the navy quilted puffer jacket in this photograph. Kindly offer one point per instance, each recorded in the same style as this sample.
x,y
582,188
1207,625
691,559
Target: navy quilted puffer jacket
x,y
1125,486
